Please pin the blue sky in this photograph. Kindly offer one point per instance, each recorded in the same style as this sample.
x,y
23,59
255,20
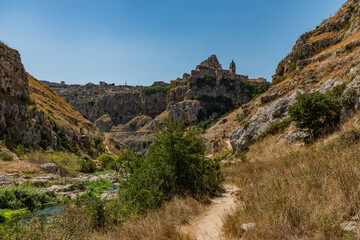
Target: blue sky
x,y
142,41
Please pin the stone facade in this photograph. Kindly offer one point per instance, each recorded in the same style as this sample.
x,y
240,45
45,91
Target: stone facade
x,y
211,66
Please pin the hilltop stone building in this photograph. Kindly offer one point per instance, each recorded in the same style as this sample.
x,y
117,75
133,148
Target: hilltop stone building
x,y
211,66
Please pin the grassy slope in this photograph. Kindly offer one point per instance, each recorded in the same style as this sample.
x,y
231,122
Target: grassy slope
x,y
307,192
57,108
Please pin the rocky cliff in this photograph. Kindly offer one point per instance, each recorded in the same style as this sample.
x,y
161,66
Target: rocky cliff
x,y
207,92
33,115
320,60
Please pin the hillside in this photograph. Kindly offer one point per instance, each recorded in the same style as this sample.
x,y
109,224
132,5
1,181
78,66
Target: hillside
x,y
33,116
294,185
132,114
329,57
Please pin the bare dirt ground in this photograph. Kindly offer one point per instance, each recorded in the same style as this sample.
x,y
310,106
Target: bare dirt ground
x,y
208,225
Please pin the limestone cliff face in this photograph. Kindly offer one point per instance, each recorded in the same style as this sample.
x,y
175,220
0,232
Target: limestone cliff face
x,y
18,123
327,34
210,89
320,60
13,77
123,107
29,111
217,91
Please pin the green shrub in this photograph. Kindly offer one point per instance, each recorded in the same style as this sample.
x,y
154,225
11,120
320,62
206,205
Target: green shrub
x,y
313,111
246,125
129,161
292,67
256,89
278,114
87,166
347,26
19,150
152,90
7,214
210,80
95,188
99,145
132,125
17,198
336,91
241,155
176,165
224,156
106,160
91,102
348,99
279,80
6,156
117,146
275,128
206,124
97,140
349,137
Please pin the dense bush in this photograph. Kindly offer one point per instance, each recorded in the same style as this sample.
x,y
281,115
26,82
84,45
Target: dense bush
x,y
6,156
18,198
106,160
129,161
206,124
152,90
314,111
256,89
278,80
175,165
99,145
87,166
292,67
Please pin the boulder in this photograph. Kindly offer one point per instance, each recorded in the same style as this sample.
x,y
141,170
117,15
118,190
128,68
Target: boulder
x,y
248,226
49,168
109,177
349,226
39,181
109,196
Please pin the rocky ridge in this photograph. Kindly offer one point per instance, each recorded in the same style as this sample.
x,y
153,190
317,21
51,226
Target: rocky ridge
x,y
33,115
208,92
320,60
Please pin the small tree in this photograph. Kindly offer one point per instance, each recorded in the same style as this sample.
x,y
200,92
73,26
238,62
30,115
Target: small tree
x,y
313,111
176,164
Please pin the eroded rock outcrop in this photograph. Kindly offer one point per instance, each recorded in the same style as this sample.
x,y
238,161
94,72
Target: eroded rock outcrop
x,y
186,110
216,91
322,60
328,34
242,136
26,115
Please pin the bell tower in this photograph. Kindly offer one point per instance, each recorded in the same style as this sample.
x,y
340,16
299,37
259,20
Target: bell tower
x,y
232,67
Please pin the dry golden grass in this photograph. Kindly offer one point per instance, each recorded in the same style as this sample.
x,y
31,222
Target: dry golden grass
x,y
298,194
56,108
18,167
159,224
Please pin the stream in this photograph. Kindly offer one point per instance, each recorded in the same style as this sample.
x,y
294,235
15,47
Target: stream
x,y
54,210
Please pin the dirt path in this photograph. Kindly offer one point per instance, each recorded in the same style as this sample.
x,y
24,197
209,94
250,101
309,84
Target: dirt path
x,y
208,225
